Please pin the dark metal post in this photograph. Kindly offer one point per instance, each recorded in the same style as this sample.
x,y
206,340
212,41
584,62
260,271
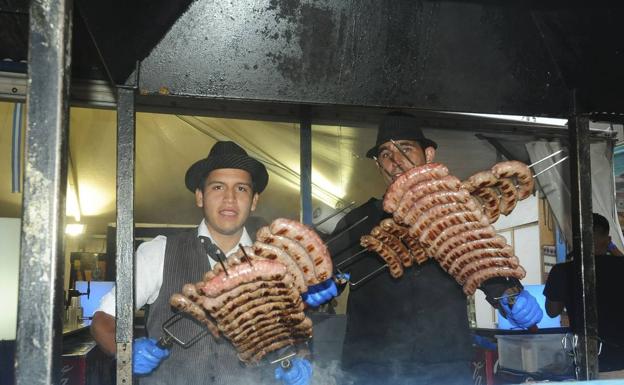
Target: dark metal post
x,y
40,305
125,232
586,318
305,165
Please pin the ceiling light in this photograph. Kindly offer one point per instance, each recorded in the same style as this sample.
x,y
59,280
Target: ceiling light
x,y
75,229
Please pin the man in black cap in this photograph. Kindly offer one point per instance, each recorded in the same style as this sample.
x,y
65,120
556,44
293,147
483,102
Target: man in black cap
x,y
411,330
227,185
560,291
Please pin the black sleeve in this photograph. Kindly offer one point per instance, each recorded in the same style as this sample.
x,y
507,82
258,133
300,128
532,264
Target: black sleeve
x,y
495,288
556,285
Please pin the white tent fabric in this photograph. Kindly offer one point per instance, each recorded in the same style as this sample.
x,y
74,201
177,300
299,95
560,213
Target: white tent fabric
x,y
555,185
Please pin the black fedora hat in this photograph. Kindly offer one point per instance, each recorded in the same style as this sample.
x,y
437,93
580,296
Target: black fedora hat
x,y
227,155
399,126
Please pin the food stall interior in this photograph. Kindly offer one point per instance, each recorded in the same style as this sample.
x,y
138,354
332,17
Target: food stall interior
x,y
300,85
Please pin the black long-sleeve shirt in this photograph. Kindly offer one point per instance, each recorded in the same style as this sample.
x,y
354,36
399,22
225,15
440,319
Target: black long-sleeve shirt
x,y
416,324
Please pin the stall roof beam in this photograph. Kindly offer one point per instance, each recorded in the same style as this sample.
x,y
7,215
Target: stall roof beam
x,y
40,300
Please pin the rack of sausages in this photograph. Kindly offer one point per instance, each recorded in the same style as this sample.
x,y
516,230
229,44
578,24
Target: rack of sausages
x,y
451,225
256,301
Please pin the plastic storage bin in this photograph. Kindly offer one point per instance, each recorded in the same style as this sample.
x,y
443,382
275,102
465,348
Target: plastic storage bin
x,y
535,353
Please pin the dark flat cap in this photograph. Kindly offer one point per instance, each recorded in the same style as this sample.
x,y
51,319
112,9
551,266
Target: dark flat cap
x,y
227,155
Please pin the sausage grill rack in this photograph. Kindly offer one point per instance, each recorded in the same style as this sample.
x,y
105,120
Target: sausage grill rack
x,y
353,259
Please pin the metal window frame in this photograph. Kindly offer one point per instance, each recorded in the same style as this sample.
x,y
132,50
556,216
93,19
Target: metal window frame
x,y
39,330
40,301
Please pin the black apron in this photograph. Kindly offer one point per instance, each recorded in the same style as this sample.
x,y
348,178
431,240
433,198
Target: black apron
x,y
408,330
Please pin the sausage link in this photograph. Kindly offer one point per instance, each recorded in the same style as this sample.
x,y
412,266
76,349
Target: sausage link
x,y
448,183
411,177
443,223
425,220
385,252
480,180
497,242
491,202
475,280
519,171
435,199
460,239
395,244
274,253
509,195
310,241
186,305
294,249
485,263
456,230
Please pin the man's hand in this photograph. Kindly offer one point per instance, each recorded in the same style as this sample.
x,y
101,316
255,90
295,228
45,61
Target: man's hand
x,y
146,355
299,373
525,311
321,293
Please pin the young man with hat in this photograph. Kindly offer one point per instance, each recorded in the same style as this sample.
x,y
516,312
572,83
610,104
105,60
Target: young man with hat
x,y
227,185
411,330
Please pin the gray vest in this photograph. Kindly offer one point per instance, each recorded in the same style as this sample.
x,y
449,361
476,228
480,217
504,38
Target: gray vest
x,y
208,361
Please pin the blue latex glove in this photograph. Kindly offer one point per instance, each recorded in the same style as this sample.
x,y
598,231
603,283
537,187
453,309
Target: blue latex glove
x,y
343,277
524,313
321,293
146,355
299,373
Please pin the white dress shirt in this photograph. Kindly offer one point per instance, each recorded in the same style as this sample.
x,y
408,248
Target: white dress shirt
x,y
150,263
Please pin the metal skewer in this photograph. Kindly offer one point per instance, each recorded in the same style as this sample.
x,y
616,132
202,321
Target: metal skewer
x,y
546,157
344,261
551,166
316,225
381,168
245,254
340,234
402,153
285,358
368,276
218,253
